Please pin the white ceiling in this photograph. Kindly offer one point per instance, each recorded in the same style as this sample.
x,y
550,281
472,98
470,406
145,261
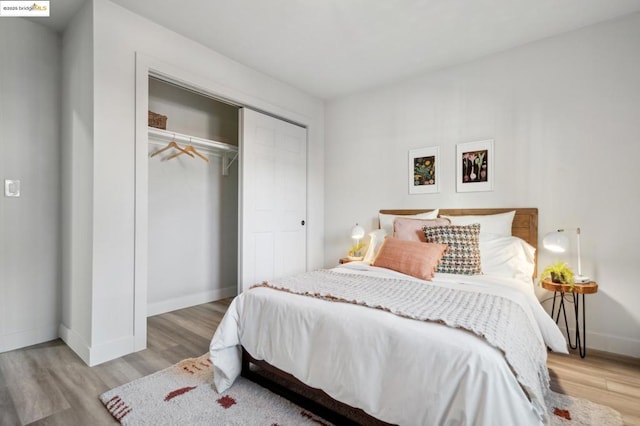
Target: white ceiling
x,y
61,12
331,48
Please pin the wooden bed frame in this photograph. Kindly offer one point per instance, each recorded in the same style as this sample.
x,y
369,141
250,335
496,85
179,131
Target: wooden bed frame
x,y
525,226
525,221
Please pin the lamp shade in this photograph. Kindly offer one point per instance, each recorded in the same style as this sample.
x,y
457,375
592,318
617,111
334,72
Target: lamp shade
x,y
556,241
357,232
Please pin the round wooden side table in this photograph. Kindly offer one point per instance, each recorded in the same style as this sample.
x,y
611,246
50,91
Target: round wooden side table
x,y
577,290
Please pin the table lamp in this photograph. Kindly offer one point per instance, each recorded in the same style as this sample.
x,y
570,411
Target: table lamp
x,y
558,242
357,233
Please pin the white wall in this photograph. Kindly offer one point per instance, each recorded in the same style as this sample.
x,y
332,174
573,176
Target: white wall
x,y
193,232
564,113
118,35
29,151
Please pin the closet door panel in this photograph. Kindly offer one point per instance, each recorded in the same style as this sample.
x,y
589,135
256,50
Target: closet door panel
x,y
273,199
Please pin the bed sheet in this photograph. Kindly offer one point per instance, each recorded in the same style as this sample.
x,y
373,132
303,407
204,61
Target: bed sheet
x,y
396,369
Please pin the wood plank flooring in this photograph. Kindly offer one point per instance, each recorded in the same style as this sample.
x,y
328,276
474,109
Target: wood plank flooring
x,y
48,384
606,379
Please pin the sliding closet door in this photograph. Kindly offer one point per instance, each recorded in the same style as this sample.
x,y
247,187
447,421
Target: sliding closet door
x,y
273,200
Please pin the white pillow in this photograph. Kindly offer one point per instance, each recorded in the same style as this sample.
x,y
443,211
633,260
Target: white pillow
x,y
496,224
376,238
386,220
507,256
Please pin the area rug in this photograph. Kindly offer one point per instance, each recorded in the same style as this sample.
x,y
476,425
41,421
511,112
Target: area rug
x,y
183,394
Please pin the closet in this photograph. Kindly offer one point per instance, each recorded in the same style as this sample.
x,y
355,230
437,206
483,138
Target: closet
x,y
192,199
226,190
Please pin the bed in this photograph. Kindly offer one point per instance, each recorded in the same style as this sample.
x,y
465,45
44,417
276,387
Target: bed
x,y
355,333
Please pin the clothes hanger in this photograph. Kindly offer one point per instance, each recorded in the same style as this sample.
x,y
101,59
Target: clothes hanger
x,y
191,148
172,144
188,150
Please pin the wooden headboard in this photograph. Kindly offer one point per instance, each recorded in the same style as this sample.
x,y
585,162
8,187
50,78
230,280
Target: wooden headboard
x,y
525,222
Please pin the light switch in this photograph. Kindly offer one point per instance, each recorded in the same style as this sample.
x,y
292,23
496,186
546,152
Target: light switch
x,y
11,188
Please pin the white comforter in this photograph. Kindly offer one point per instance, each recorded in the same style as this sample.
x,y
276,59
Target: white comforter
x,y
399,370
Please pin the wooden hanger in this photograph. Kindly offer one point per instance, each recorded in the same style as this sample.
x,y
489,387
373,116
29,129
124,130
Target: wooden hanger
x,y
172,144
188,150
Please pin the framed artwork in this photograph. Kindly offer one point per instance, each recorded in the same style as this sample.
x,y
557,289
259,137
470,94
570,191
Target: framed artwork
x,y
474,166
424,170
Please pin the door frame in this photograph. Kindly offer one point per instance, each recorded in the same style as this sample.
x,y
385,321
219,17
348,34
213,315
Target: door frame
x,y
146,67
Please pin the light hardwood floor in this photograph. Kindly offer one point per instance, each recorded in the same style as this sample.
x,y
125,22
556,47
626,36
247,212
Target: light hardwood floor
x,y
606,379
48,384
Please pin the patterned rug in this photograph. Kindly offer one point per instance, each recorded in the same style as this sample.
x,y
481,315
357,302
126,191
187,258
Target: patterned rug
x,y
183,394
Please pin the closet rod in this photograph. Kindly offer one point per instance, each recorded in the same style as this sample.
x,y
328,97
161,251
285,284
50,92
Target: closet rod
x,y
165,136
229,153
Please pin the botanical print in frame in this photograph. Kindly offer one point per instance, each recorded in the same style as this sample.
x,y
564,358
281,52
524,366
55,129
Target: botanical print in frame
x,y
424,170
474,166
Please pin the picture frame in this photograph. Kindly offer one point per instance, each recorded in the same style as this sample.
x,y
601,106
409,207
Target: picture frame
x,y
424,170
474,166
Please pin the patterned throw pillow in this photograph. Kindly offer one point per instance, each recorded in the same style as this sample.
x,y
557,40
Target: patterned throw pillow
x,y
463,254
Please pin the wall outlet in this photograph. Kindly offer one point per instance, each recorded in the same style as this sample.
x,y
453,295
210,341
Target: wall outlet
x,y
11,188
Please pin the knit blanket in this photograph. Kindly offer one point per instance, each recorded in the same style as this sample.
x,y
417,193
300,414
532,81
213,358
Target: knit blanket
x,y
501,322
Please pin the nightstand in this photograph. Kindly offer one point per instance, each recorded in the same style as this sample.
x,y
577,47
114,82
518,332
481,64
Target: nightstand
x,y
578,290
345,260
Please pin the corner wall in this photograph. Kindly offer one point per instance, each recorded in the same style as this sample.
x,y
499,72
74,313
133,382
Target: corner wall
x,y
112,196
564,116
77,180
30,152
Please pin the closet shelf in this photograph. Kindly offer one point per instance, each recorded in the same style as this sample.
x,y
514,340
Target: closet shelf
x,y
229,153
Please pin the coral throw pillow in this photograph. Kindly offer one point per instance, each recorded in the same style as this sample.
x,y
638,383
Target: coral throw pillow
x,y
410,257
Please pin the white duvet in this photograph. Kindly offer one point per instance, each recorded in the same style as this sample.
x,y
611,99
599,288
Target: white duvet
x,y
396,369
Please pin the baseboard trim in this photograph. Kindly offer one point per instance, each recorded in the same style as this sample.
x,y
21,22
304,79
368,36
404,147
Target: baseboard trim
x,y
22,339
190,300
607,343
75,342
111,350
613,344
94,355
97,354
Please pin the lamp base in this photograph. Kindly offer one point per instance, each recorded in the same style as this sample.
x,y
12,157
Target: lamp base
x,y
581,279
